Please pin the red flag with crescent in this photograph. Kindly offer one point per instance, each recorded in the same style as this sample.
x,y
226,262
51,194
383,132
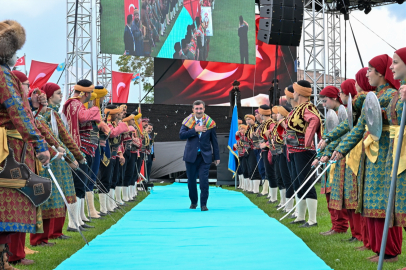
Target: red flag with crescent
x,y
120,86
129,6
20,61
40,72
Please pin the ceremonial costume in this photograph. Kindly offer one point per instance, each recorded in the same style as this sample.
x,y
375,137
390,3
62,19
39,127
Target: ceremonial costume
x,y
243,146
279,154
253,170
108,166
374,203
302,125
82,124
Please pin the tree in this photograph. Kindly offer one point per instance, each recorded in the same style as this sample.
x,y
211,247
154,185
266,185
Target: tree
x,y
142,65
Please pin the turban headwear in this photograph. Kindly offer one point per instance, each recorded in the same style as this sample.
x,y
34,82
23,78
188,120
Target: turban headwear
x,y
289,92
303,88
249,116
381,63
264,110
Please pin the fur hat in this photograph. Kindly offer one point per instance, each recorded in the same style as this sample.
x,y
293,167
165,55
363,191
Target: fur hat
x,y
12,38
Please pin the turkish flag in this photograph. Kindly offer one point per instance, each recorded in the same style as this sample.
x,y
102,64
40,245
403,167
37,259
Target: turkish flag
x,y
129,6
193,7
120,86
20,61
40,72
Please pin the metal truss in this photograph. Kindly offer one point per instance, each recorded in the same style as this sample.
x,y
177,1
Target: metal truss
x,y
334,48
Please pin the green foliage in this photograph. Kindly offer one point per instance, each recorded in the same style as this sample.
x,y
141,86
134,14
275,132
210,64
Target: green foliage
x,y
142,65
333,250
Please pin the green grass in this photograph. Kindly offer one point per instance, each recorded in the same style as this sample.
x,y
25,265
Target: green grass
x,y
51,257
338,254
112,27
225,44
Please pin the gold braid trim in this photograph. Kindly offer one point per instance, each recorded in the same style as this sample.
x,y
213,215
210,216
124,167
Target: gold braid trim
x,y
296,120
275,133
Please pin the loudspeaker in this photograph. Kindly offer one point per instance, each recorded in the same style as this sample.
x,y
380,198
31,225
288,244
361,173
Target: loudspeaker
x,y
281,22
224,176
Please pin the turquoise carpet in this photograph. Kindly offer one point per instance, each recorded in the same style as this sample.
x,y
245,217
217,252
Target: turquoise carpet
x,y
162,233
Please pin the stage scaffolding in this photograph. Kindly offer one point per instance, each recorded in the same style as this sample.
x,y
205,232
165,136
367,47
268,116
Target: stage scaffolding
x,y
79,60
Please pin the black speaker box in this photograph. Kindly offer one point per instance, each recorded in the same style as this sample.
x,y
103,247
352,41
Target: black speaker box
x,y
281,22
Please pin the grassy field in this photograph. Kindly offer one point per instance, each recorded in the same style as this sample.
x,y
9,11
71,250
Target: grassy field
x,y
338,254
225,44
112,27
51,257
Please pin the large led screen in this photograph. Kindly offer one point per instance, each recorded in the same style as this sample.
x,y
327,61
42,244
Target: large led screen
x,y
185,81
210,30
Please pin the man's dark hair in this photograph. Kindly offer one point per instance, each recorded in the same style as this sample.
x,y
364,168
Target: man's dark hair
x,y
198,102
111,107
241,20
150,124
84,83
129,18
177,47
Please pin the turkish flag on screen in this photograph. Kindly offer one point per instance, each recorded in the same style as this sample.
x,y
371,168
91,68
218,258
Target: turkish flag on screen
x,y
129,6
40,72
120,86
20,61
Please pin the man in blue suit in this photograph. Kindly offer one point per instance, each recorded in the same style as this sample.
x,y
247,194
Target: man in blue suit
x,y
200,132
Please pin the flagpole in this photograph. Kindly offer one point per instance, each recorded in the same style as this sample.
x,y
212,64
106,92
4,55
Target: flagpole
x,y
236,173
25,67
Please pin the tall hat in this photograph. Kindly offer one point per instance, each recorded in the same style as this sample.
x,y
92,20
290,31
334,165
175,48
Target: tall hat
x,y
275,109
303,88
128,117
249,116
137,115
100,92
12,38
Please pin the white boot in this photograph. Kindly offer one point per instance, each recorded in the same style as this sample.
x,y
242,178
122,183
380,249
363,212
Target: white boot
x,y
135,190
239,182
265,187
301,211
289,205
274,195
131,192
282,193
256,186
269,192
118,195
296,209
73,218
249,185
312,207
82,210
113,199
90,201
125,194
245,184
79,209
110,205
103,203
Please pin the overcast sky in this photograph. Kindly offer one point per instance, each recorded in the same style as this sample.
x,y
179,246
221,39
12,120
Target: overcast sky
x,y
45,24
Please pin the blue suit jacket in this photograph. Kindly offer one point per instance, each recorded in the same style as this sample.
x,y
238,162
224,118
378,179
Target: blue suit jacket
x,y
205,143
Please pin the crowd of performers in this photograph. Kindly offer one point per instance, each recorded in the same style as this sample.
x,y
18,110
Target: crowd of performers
x,y
144,28
277,145
78,148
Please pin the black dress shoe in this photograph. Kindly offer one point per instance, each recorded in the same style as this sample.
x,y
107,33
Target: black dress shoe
x,y
102,214
87,226
307,225
82,229
204,208
250,192
272,202
352,239
63,237
260,195
292,216
72,229
193,206
298,222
